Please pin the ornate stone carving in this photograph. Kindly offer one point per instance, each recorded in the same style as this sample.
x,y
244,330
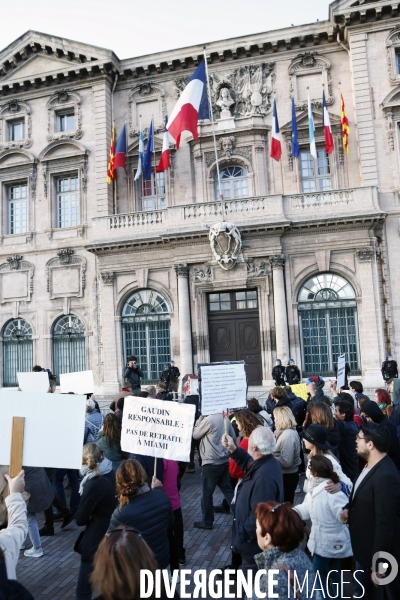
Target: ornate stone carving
x,y
150,90
182,269
288,141
64,255
252,85
201,275
66,275
58,101
257,269
225,102
277,261
312,62
84,171
14,261
180,84
227,145
226,243
244,151
107,278
33,182
365,254
14,109
389,128
44,175
392,42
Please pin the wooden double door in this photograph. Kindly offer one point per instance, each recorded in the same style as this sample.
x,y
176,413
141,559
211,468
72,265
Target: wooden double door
x,y
234,331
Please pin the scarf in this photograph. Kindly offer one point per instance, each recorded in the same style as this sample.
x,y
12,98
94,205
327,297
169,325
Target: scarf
x,y
315,481
105,466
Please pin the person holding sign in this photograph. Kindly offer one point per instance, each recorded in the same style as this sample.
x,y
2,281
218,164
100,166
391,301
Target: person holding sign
x,y
214,463
13,536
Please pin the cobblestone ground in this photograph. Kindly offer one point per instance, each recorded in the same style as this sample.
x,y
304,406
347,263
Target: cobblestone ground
x,y
53,577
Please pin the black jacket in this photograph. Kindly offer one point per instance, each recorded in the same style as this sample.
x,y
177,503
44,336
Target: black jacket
x,y
151,514
374,514
371,409
95,509
348,456
389,370
262,482
278,375
292,374
133,376
333,439
297,405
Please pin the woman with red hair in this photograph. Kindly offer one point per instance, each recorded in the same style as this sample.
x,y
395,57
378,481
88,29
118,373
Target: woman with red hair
x,y
384,401
280,532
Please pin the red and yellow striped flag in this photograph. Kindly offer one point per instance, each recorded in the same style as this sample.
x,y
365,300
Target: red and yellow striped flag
x,y
344,122
111,169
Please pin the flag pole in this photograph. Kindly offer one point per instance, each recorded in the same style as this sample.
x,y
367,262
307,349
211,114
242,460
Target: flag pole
x,y
155,165
214,137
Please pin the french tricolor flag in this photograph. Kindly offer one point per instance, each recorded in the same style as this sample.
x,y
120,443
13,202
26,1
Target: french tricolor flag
x,y
276,142
326,123
191,106
165,161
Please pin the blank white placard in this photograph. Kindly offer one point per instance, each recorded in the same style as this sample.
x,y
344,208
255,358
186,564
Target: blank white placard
x,y
80,382
54,428
33,382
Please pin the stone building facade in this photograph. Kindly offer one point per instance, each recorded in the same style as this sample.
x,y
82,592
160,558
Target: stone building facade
x,y
89,276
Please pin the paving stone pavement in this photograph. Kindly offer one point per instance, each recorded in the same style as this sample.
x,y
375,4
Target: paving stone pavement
x,y
53,576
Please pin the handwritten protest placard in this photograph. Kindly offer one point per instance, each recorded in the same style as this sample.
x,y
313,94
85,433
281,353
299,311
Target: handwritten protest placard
x,y
157,428
80,382
341,371
54,428
223,385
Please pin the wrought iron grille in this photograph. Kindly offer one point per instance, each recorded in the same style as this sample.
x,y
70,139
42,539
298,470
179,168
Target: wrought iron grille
x,y
328,325
69,348
17,351
146,332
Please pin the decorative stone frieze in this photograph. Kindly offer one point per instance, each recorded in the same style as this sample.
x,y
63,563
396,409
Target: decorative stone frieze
x,y
182,269
14,261
277,261
107,278
257,269
365,254
202,275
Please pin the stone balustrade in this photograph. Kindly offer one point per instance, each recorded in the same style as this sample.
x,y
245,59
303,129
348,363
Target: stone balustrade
x,y
275,209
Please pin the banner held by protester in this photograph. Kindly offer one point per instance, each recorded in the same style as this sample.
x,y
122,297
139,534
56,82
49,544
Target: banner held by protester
x,y
80,382
157,428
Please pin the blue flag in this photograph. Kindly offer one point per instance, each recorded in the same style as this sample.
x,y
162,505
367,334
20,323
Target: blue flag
x,y
295,133
148,154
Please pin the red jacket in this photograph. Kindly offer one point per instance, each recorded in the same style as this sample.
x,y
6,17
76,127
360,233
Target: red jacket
x,y
234,471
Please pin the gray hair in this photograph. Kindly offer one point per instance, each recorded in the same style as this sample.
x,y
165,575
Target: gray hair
x,y
151,390
264,440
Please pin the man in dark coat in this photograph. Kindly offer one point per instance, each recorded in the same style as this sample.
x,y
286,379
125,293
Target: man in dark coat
x,y
344,415
389,368
133,374
371,412
292,373
278,373
262,482
373,514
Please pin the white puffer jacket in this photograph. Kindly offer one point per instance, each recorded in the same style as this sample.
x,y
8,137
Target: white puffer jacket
x,y
329,537
336,467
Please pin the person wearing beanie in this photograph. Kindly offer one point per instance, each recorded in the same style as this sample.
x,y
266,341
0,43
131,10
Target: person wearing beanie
x,y
371,413
315,387
93,422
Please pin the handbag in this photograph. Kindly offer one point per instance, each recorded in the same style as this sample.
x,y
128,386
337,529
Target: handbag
x,y
287,570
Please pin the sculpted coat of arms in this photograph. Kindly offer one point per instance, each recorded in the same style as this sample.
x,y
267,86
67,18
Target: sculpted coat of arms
x,y
226,243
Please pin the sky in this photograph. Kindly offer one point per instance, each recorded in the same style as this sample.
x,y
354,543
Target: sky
x,y
133,28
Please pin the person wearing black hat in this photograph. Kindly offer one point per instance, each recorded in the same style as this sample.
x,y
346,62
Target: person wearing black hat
x,y
278,373
316,442
371,412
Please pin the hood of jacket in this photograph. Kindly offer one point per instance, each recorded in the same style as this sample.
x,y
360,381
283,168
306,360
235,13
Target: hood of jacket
x,y
396,391
373,411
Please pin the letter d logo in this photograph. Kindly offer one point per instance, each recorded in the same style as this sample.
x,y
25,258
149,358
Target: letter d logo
x,y
382,568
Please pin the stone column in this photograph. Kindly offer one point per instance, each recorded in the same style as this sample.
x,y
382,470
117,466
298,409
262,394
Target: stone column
x,y
110,383
281,322
185,330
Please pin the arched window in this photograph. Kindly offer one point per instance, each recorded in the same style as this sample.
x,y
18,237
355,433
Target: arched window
x,y
233,183
146,332
17,351
328,324
69,349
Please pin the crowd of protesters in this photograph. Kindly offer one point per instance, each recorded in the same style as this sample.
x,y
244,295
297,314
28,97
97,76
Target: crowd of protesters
x,y
339,447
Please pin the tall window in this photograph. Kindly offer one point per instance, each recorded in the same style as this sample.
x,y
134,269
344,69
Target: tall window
x,y
146,332
67,202
153,193
69,349
398,62
16,131
315,174
66,122
17,351
233,183
18,209
328,324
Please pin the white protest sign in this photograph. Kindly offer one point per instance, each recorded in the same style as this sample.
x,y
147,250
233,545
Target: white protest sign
x,y
223,385
33,382
54,428
80,382
157,428
341,371
193,386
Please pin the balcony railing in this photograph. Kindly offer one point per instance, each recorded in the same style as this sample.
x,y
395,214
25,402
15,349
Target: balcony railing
x,y
275,210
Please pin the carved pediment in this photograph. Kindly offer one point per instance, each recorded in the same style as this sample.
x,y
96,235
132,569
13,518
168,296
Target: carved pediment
x,y
39,66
